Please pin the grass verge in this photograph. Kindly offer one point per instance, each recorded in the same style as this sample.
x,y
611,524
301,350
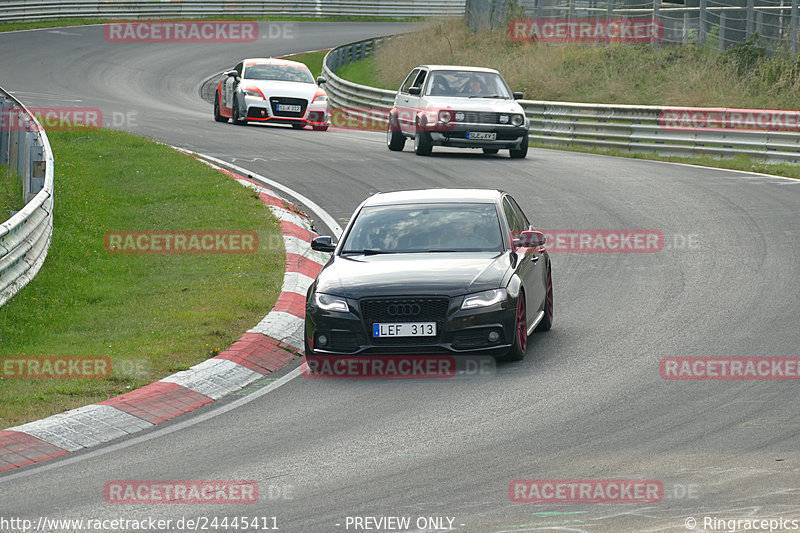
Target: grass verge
x,y
624,73
152,314
313,60
10,194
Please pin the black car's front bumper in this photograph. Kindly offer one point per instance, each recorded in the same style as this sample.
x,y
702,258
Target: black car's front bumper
x,y
458,330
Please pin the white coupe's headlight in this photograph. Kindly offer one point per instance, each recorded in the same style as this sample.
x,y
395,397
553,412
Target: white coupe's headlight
x,y
517,120
252,91
330,303
503,119
460,116
484,299
320,98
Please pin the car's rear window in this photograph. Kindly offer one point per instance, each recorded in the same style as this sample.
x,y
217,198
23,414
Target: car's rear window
x,y
277,72
460,227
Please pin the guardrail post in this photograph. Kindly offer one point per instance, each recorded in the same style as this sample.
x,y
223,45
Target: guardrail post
x,y
750,10
701,36
37,168
760,22
685,34
25,165
13,141
5,127
656,11
794,26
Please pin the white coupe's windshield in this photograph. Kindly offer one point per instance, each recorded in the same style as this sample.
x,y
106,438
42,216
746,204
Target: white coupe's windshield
x,y
278,73
425,228
467,84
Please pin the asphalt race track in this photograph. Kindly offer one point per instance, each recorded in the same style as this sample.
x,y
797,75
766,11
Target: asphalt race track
x,y
588,401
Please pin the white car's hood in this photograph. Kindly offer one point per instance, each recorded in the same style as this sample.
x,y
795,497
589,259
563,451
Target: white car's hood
x,y
496,105
290,89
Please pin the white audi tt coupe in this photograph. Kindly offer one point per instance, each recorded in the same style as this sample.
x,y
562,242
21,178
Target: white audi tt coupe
x,y
273,91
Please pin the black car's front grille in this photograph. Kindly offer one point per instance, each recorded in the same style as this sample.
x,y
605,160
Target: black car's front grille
x,y
275,101
393,310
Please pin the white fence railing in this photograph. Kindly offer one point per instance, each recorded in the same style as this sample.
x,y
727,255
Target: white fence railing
x,y
30,10
772,136
25,237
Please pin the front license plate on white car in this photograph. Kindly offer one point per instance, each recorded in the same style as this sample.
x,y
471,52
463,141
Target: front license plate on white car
x,y
404,329
289,108
482,135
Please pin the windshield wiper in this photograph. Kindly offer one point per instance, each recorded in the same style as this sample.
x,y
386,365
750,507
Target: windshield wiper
x,y
489,96
367,252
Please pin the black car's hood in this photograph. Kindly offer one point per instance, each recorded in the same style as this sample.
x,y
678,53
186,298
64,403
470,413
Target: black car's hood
x,y
443,273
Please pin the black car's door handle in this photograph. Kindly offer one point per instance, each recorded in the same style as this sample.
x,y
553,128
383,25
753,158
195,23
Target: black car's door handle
x,y
534,258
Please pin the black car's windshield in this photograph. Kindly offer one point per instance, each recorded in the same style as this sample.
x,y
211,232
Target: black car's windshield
x,y
467,84
278,73
445,227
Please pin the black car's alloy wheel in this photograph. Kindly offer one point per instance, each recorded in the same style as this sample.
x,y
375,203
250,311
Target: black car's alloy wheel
x,y
517,351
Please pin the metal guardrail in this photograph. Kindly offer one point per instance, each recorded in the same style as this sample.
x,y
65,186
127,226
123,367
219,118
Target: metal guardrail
x,y
32,10
628,128
25,237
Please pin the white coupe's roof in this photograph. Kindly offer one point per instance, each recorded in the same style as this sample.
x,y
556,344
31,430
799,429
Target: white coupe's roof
x,y
458,67
273,61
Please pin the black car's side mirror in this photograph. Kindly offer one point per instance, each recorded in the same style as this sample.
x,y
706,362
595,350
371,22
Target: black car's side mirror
x,y
529,239
518,95
323,244
414,90
321,80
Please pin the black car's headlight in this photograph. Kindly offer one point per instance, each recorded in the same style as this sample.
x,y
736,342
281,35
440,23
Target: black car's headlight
x,y
517,120
327,302
484,299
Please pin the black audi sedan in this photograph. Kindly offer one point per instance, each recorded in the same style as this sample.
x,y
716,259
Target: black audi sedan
x,y
431,272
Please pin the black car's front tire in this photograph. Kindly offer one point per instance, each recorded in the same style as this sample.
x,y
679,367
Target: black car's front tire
x,y
547,320
520,344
